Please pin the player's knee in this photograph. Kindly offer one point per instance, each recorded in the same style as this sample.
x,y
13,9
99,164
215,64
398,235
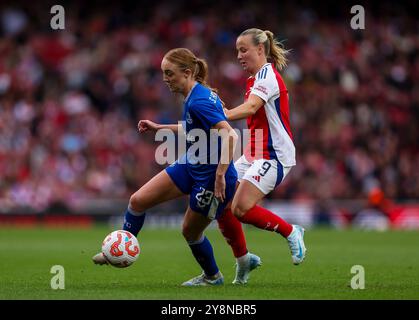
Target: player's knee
x,y
238,209
189,233
136,202
186,231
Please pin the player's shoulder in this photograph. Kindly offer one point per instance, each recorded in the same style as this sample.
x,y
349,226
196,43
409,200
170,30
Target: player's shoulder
x,y
201,92
198,92
266,81
203,96
266,73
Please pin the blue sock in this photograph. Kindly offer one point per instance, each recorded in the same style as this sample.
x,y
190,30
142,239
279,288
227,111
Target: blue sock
x,y
133,221
202,251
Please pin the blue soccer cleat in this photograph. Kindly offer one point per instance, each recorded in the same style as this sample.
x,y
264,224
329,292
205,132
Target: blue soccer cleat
x,y
203,280
243,270
296,244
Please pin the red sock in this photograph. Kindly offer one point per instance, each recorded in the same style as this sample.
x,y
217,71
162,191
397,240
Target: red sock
x,y
267,220
232,230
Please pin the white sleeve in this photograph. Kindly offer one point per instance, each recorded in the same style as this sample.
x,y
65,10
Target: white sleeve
x,y
265,87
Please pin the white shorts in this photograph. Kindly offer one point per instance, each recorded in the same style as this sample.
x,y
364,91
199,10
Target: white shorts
x,y
264,174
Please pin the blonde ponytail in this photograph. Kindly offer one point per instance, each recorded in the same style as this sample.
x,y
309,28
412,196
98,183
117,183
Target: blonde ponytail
x,y
274,50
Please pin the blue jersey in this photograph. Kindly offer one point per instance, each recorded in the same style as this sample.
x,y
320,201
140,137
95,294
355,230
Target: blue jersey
x,y
194,173
202,110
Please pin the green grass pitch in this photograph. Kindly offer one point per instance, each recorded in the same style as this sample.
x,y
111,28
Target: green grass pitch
x,y
390,260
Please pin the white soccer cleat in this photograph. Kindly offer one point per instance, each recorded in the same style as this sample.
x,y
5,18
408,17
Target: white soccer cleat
x,y
243,271
203,280
99,259
296,243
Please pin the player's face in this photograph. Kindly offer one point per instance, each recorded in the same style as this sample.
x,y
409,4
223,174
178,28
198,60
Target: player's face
x,y
175,78
248,54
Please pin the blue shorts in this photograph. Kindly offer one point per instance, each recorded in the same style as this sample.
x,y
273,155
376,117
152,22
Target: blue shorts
x,y
201,191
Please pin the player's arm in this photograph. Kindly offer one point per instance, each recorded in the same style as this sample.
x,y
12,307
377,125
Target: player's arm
x,y
228,143
147,125
246,109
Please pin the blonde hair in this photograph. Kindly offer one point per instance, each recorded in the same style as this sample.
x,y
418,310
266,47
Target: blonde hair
x,y
274,49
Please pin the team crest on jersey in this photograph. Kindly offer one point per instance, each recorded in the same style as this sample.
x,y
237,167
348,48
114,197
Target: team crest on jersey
x,y
188,118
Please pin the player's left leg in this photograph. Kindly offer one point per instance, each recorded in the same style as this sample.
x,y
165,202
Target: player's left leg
x,y
232,230
193,228
159,189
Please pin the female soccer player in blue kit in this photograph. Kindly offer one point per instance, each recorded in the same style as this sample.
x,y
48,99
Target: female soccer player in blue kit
x,y
210,186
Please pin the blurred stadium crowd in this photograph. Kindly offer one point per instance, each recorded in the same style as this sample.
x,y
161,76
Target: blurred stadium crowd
x,y
70,100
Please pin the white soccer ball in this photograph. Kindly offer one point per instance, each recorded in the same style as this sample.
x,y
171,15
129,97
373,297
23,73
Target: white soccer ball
x,y
121,248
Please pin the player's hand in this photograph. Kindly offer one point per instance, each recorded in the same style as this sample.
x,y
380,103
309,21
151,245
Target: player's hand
x,y
220,187
147,125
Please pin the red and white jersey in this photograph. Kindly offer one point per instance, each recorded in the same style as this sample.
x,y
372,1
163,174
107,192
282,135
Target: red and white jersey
x,y
275,140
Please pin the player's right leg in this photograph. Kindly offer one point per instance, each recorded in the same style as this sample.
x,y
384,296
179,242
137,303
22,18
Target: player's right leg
x,y
194,225
159,189
260,179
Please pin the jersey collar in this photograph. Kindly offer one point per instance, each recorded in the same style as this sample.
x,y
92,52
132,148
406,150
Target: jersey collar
x,y
266,64
190,92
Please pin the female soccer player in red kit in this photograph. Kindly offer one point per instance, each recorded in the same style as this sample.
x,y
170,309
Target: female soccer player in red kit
x,y
270,154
